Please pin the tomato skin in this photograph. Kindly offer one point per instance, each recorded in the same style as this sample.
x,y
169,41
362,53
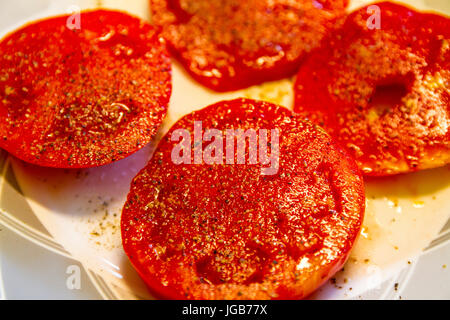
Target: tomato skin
x,y
199,231
231,45
83,97
384,94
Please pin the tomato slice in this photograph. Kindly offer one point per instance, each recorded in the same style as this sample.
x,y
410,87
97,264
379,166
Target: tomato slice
x,y
383,93
233,44
224,231
74,98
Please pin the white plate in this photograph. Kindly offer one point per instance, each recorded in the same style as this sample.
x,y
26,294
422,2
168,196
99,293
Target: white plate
x,y
76,213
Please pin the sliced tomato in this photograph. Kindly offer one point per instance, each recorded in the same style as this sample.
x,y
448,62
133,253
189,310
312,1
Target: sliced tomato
x,y
227,231
383,93
232,44
74,98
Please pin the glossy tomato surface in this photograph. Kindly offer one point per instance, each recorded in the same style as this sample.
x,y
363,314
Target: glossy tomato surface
x,y
82,97
227,231
232,44
383,93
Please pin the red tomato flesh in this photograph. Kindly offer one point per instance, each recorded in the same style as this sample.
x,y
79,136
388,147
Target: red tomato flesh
x,y
383,93
222,231
233,44
83,97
